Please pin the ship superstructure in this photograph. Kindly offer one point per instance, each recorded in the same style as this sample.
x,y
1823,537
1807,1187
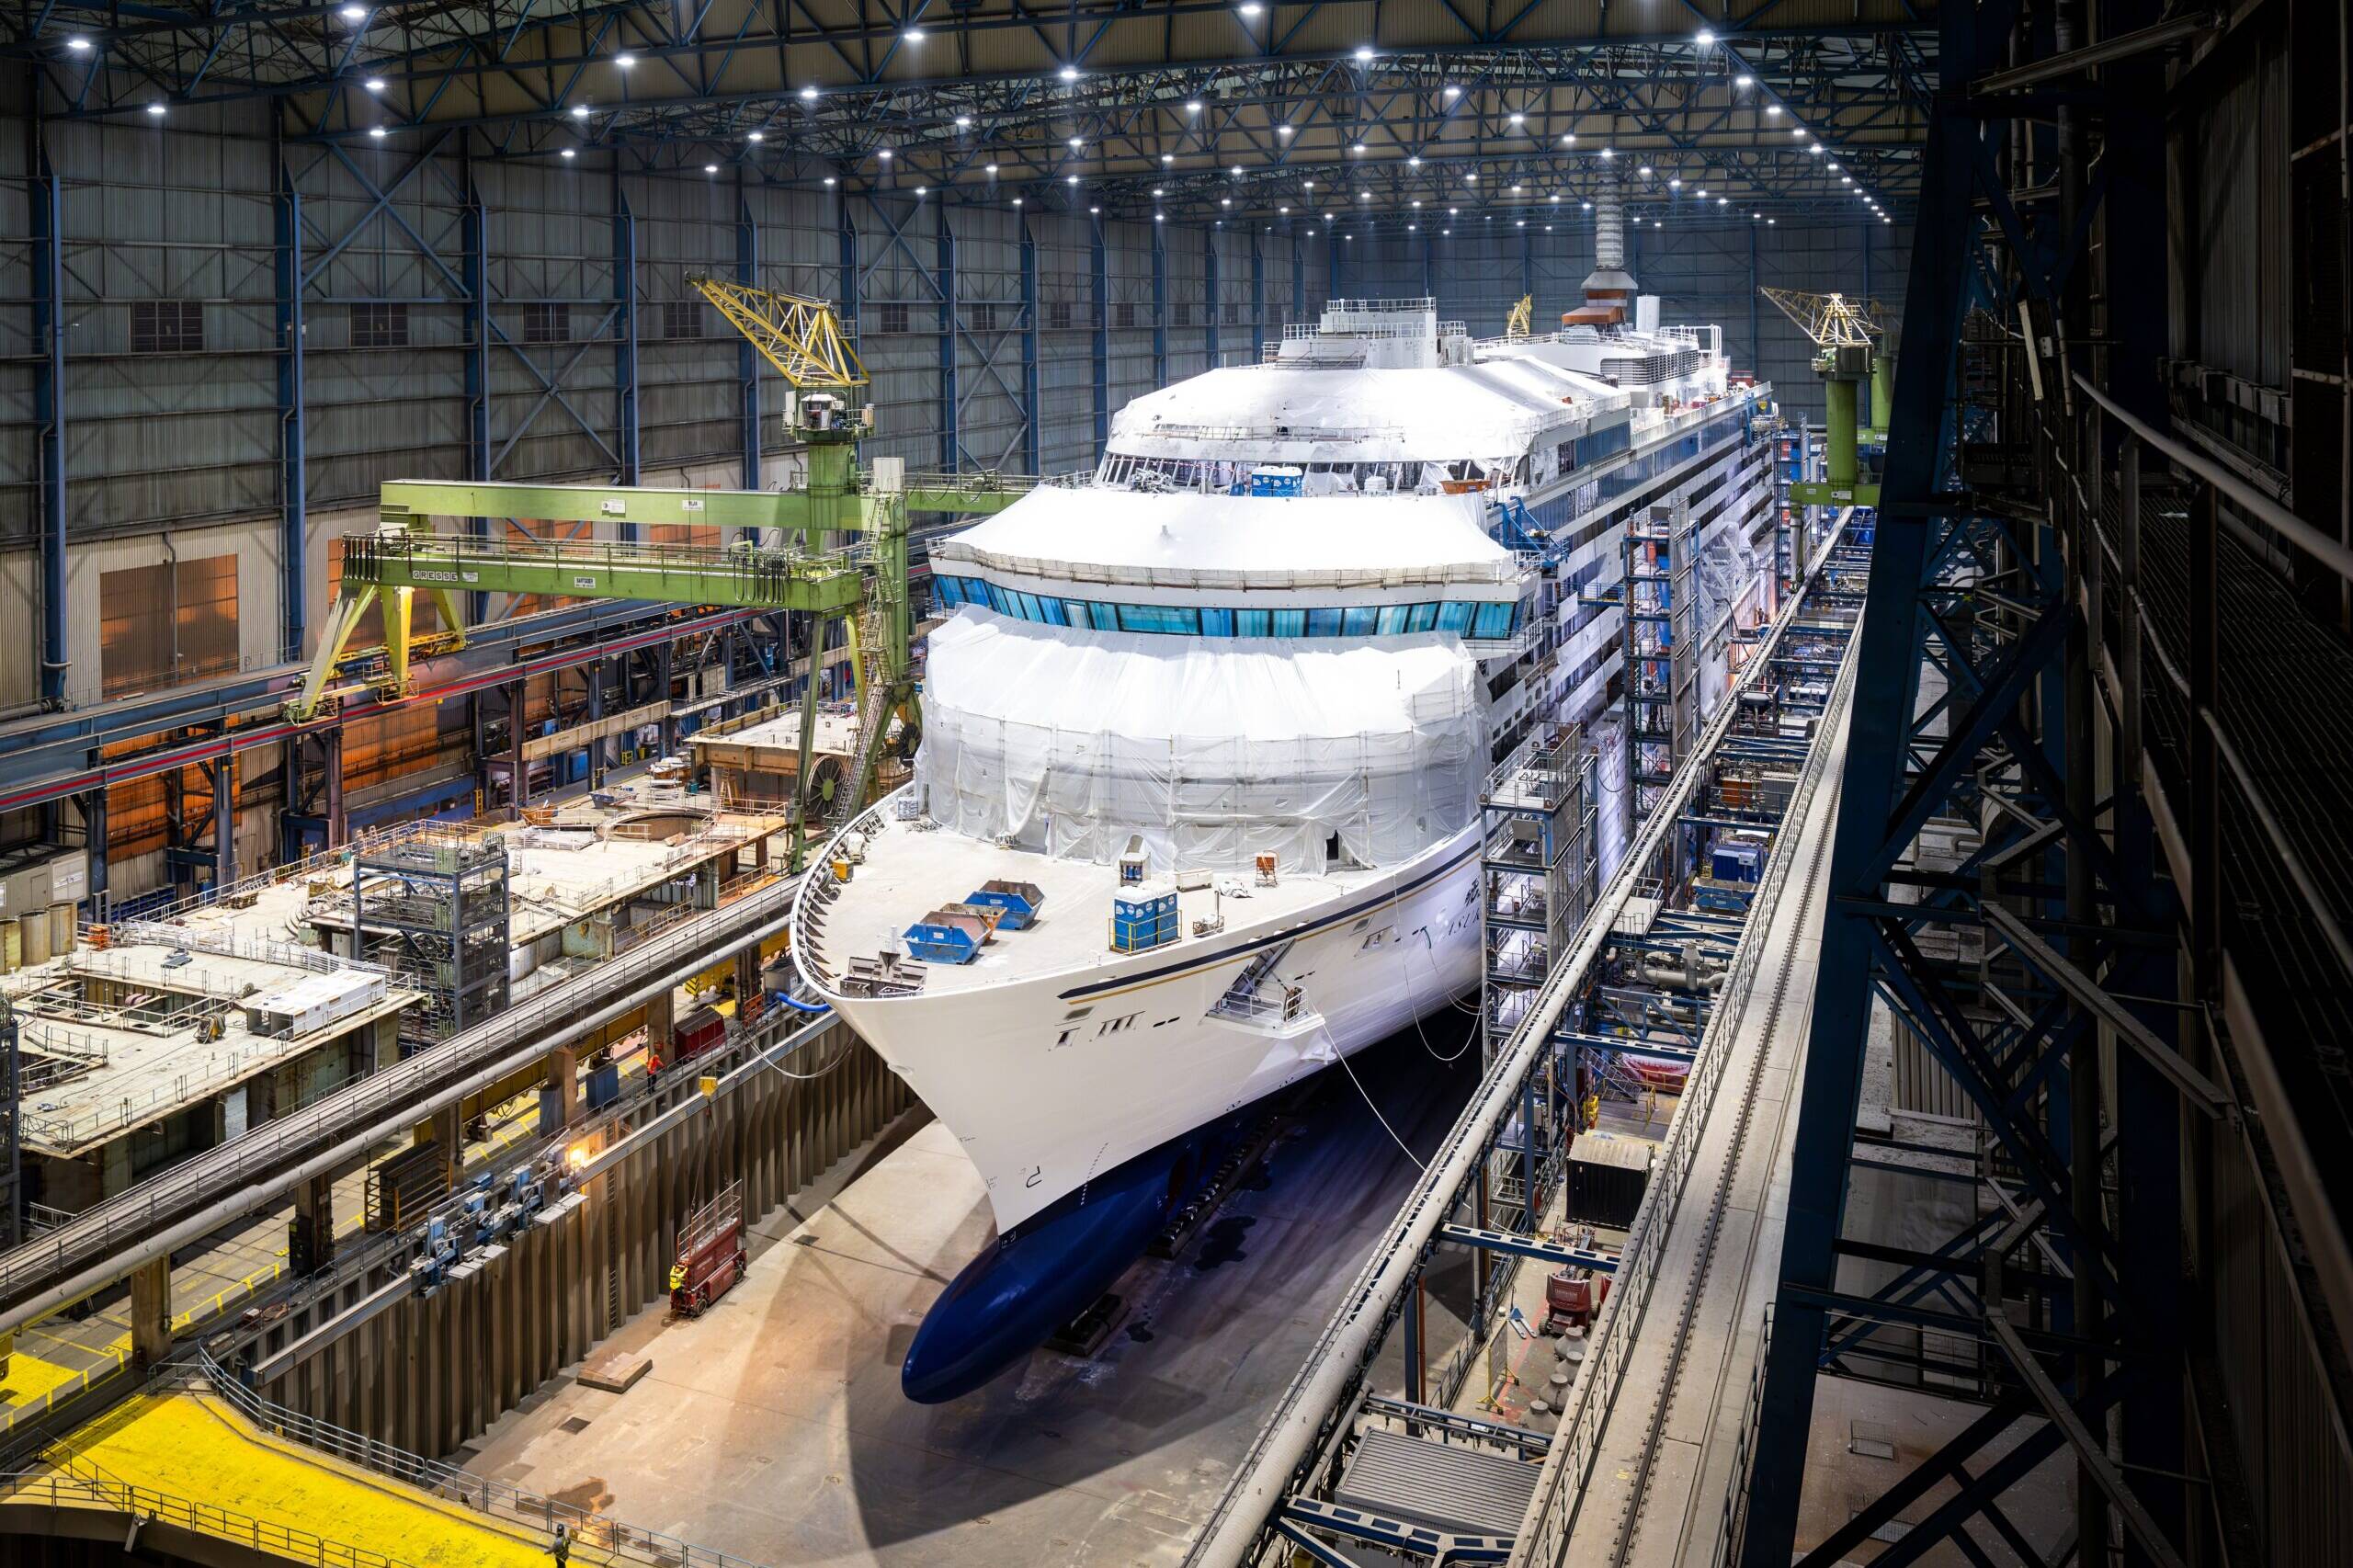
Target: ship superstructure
x,y
1197,810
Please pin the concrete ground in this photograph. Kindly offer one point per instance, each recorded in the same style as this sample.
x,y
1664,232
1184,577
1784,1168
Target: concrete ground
x,y
773,1427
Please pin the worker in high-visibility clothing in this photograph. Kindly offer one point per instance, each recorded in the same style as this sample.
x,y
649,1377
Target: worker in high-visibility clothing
x,y
1591,1110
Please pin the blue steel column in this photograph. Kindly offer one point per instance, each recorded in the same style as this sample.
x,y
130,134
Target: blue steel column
x,y
1429,267
1257,300
1208,292
949,437
747,363
473,236
1159,307
1298,279
1331,265
1756,342
1527,267
1099,269
294,584
625,334
1888,667
48,412
1033,402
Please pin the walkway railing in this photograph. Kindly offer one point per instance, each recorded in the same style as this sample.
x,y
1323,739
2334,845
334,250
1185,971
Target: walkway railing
x,y
148,1506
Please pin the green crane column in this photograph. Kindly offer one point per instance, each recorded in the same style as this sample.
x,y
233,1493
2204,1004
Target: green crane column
x,y
1839,394
1882,391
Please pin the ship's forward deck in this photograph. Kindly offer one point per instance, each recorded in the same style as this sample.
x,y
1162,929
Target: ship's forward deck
x,y
910,868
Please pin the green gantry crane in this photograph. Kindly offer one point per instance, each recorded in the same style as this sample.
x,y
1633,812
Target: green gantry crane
x,y
834,549
1850,339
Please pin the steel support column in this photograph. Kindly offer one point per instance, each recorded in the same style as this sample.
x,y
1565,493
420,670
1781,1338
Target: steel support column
x,y
1888,668
1209,305
625,338
747,361
1298,279
292,415
1332,290
1159,306
1099,273
1257,300
950,437
474,269
49,411
1033,402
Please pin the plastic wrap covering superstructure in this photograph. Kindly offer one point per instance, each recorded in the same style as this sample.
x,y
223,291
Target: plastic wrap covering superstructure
x,y
1214,751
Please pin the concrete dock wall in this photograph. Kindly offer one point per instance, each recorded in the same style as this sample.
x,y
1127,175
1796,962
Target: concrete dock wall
x,y
427,1373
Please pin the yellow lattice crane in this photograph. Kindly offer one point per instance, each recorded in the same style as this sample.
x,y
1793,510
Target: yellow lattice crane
x,y
1832,321
1850,337
801,336
1516,325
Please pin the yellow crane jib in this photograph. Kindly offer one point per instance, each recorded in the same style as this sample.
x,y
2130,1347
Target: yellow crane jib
x,y
1516,325
801,336
1832,321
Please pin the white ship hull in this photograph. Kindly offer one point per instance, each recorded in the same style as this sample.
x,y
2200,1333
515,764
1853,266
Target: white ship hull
x,y
1049,1081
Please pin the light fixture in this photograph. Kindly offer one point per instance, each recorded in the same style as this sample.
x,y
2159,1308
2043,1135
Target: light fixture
x,y
1075,144
78,45
1754,216
1156,190
1415,162
1610,152
374,83
912,34
1454,212
1283,211
1412,225
1515,190
376,133
624,60
1645,171
580,111
1846,179
1225,201
808,95
1588,206
1517,118
568,152
963,122
1193,105
1282,131
1364,196
1235,171
1309,185
829,179
1724,201
1167,158
1418,201
1797,132
1548,228
1743,81
1160,217
884,155
1364,56
1358,148
1554,197
1816,149
1249,7
1017,200
1833,169
1772,110
713,169
1700,194
757,136
1448,233
155,109
1770,221
1074,179
1569,138
1674,182
1704,38
922,189
1070,73
354,13
1523,222
1095,211
1471,179
1454,92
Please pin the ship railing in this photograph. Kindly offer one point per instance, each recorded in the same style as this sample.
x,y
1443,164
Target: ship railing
x,y
1467,573
1424,302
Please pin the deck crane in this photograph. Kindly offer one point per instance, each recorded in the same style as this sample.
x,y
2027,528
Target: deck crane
x,y
1850,339
843,555
1516,325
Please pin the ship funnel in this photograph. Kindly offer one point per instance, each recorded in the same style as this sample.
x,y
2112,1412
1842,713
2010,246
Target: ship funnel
x,y
1610,287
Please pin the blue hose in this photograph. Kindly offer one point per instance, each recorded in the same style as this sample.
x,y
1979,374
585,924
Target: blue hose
x,y
800,1006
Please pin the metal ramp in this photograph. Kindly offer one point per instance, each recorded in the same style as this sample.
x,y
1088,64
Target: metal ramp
x,y
1284,1015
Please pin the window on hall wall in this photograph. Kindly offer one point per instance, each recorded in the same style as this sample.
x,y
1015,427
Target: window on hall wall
x,y
980,317
1232,313
167,327
544,322
380,326
891,315
1123,314
682,318
172,622
1183,314
1058,315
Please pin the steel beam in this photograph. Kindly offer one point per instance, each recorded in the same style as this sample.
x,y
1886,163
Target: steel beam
x,y
1209,307
747,361
1100,274
1888,673
48,205
952,440
1257,300
625,339
1033,399
292,418
1159,306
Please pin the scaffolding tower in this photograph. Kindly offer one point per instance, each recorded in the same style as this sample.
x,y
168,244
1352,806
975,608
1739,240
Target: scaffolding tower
x,y
1662,710
1536,880
431,906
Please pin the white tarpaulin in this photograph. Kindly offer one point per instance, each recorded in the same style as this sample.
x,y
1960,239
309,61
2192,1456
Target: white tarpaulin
x,y
1213,751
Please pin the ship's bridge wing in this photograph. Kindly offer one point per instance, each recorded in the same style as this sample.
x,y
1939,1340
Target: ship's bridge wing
x,y
1193,539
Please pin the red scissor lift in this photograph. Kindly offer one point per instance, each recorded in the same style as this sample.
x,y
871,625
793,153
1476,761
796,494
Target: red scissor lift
x,y
710,1254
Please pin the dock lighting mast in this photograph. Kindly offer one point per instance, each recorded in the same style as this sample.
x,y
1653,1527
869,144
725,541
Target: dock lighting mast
x,y
1848,336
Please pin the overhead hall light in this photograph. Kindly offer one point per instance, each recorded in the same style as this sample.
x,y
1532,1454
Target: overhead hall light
x,y
78,45
808,95
624,60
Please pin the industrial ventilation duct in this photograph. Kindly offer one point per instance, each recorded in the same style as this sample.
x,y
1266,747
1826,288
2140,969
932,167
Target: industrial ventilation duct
x,y
1609,292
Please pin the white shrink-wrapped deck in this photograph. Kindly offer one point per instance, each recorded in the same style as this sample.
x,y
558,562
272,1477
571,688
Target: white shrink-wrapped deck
x,y
1214,750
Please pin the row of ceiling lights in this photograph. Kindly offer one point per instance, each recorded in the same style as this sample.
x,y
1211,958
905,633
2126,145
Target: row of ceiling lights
x,y
1364,56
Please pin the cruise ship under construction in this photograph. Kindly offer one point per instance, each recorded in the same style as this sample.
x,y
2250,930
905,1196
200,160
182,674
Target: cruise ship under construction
x,y
1254,786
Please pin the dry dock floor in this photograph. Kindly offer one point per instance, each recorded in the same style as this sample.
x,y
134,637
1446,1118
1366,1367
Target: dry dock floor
x,y
773,1428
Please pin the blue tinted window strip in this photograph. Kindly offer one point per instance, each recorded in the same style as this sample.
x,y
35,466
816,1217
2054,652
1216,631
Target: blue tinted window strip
x,y
1484,618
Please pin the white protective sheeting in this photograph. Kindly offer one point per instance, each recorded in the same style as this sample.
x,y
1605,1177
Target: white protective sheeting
x,y
1190,540
1215,750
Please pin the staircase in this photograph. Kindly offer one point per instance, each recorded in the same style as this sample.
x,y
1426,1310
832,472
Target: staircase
x,y
873,720
1283,1015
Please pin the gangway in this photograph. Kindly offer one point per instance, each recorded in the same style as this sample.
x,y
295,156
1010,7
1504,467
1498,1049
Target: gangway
x,y
1281,1498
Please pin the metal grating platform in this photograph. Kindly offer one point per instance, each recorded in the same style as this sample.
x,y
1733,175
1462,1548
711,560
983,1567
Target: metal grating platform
x,y
1459,1490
